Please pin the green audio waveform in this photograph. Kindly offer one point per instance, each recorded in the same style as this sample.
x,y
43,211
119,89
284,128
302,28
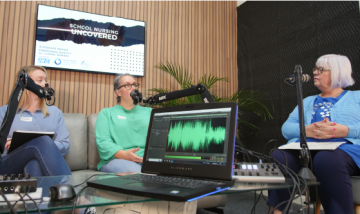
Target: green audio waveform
x,y
194,135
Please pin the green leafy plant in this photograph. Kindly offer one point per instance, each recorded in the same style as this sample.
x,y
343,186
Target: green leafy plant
x,y
250,103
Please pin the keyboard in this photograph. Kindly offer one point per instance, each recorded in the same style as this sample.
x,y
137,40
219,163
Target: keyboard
x,y
174,181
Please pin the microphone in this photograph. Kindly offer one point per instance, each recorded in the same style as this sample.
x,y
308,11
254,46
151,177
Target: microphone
x,y
136,96
48,92
33,87
304,78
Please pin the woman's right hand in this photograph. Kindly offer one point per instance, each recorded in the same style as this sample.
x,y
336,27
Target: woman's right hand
x,y
129,155
321,130
7,144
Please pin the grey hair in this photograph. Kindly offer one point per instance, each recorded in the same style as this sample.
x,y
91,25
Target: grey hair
x,y
117,84
340,67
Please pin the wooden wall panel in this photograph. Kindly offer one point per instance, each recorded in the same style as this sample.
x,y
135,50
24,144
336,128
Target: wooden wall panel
x,y
199,35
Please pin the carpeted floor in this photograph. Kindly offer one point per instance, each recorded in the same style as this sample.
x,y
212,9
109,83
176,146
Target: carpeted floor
x,y
242,203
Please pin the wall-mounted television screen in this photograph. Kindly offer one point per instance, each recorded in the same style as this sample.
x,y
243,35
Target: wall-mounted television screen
x,y
80,41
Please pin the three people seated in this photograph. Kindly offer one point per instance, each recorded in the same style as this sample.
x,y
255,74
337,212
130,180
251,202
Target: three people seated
x,y
331,116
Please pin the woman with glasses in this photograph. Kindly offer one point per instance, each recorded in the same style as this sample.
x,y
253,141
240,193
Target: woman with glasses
x,y
331,116
121,131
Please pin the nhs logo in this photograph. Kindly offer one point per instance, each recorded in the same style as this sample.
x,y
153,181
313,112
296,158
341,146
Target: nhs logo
x,y
44,60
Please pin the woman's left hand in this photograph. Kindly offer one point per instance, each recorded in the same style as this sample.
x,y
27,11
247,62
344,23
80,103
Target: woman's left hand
x,y
328,130
7,144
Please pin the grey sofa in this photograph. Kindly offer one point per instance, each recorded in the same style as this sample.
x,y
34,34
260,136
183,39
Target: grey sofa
x,y
83,155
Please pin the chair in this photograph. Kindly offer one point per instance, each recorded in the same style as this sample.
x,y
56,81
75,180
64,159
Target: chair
x,y
355,182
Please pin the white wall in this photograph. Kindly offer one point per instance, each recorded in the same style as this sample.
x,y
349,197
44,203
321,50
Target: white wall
x,y
241,2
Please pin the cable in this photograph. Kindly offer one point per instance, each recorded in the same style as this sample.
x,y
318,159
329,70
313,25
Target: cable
x,y
286,161
297,181
91,177
288,82
17,190
293,198
238,150
36,205
22,198
8,203
270,141
286,170
77,195
256,201
258,155
107,210
287,201
264,197
286,166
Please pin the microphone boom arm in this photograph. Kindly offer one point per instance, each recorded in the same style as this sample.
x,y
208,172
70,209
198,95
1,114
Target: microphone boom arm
x,y
11,109
22,82
193,90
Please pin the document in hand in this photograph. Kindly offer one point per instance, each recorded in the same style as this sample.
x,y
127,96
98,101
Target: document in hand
x,y
19,138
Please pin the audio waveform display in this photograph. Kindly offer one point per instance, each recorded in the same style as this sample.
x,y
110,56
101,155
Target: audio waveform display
x,y
201,135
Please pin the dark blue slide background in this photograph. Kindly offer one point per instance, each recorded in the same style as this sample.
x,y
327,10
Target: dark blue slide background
x,y
127,36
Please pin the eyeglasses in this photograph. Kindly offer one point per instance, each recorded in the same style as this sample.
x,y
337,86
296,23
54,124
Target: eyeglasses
x,y
128,86
320,70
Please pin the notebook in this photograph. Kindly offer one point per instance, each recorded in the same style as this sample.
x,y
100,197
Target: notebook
x,y
19,138
194,143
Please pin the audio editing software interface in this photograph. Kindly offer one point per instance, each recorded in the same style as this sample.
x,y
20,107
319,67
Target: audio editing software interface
x,y
191,137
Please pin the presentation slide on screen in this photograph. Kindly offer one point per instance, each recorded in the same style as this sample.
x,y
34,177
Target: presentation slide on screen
x,y
68,39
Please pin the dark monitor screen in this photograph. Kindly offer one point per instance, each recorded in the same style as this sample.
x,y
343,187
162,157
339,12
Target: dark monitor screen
x,y
73,40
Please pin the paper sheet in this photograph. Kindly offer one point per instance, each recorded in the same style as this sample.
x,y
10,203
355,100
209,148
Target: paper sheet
x,y
313,146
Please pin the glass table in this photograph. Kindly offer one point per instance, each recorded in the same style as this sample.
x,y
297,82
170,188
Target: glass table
x,y
101,199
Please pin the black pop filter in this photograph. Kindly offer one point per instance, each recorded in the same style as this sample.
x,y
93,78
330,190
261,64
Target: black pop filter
x,y
136,96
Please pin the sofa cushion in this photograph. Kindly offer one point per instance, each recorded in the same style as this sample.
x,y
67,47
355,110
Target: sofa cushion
x,y
76,125
93,157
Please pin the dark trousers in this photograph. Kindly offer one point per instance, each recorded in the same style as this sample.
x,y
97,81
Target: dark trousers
x,y
332,169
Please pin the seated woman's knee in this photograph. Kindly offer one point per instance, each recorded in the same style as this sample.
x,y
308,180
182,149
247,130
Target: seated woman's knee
x,y
325,159
44,141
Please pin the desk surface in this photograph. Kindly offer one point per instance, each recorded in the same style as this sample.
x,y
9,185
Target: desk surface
x,y
94,197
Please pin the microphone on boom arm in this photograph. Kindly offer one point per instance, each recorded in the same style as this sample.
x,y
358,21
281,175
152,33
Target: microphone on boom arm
x,y
136,96
41,92
292,81
49,92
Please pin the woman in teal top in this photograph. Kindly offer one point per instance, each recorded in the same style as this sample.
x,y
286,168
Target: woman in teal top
x,y
121,131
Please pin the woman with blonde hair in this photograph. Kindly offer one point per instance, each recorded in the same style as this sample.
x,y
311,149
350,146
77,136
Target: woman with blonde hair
x,y
41,156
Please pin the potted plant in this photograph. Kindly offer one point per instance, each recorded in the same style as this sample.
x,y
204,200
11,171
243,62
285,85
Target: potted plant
x,y
250,103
